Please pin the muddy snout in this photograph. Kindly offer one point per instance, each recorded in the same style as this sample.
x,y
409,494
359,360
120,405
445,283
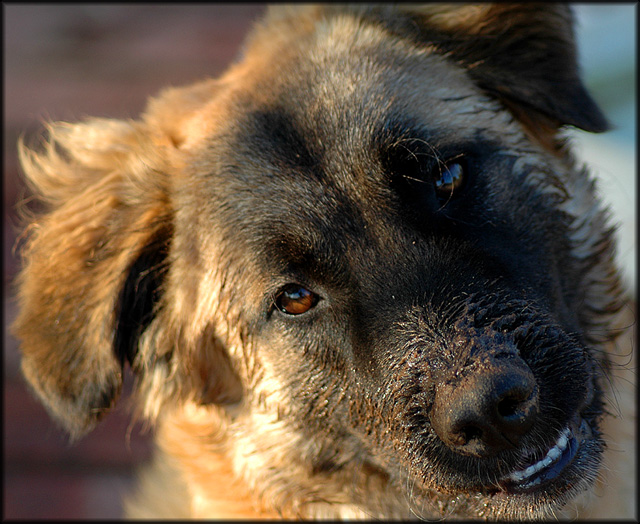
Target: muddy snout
x,y
488,406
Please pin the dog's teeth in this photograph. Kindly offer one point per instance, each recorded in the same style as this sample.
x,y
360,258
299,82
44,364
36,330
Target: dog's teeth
x,y
563,440
552,455
517,476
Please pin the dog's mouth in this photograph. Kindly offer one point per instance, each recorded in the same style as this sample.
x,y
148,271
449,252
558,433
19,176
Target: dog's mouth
x,y
541,483
531,483
539,472
498,437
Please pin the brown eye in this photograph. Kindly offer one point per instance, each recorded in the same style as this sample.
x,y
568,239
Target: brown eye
x,y
448,178
295,300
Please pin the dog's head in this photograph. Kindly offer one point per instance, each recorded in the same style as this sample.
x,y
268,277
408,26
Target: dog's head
x,y
368,234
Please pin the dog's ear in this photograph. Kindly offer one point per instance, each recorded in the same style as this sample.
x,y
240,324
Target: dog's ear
x,y
94,262
93,293
522,53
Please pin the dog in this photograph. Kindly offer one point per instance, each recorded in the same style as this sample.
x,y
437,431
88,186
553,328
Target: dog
x,y
360,275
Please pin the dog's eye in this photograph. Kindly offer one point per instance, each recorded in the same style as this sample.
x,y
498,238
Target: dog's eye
x,y
295,300
448,178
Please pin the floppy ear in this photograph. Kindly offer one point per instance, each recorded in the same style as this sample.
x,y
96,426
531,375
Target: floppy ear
x,y
524,54
93,262
94,291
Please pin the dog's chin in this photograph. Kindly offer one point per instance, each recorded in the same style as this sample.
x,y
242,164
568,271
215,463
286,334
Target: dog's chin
x,y
544,480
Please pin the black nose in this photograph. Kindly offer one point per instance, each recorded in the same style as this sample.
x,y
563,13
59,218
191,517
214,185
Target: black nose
x,y
487,409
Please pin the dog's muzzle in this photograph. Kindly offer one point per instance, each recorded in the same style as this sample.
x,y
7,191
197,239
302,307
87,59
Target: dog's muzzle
x,y
490,409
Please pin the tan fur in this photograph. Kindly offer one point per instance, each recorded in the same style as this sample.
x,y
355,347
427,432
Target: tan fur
x,y
219,400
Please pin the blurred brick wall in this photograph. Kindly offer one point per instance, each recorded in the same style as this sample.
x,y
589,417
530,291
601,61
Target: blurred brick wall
x,y
64,63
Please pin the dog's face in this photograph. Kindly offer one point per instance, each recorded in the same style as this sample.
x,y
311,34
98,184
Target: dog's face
x,y
365,244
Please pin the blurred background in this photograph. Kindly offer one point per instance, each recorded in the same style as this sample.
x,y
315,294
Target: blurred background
x,y
607,45
65,62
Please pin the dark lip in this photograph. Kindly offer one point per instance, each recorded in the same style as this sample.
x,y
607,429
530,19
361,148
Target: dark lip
x,y
555,461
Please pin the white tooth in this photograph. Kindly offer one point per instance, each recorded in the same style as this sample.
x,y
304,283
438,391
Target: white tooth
x,y
562,442
540,465
554,454
516,476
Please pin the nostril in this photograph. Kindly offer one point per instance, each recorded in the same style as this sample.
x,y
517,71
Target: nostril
x,y
516,403
466,434
508,407
515,413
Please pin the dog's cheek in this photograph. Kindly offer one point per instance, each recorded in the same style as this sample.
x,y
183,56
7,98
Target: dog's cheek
x,y
176,363
314,375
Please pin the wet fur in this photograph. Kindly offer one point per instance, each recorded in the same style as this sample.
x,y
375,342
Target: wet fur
x,y
165,240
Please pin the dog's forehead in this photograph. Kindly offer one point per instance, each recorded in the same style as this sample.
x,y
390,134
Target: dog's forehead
x,y
346,79
296,153
323,107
